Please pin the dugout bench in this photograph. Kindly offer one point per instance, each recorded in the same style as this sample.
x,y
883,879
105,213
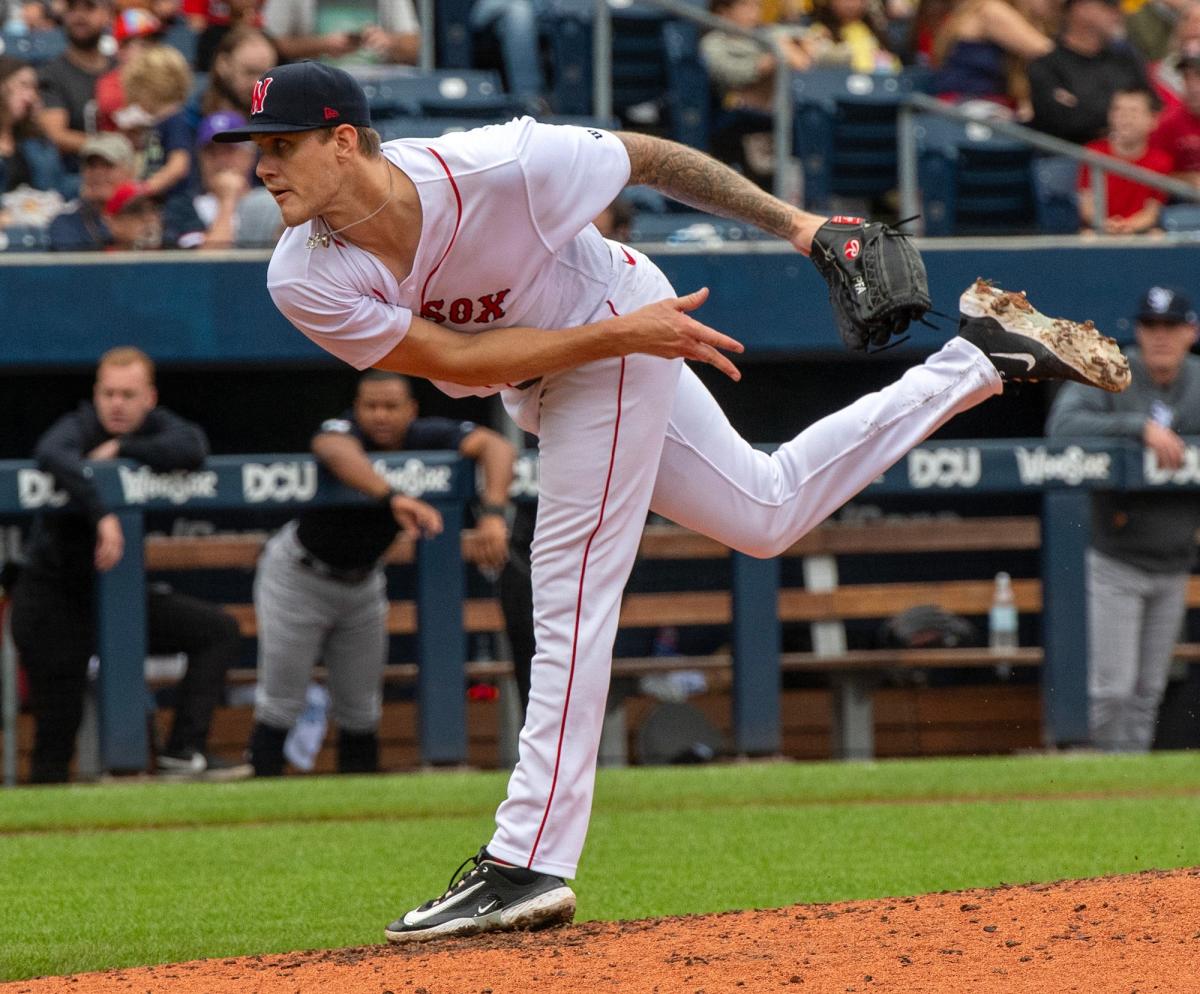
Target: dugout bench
x,y
754,606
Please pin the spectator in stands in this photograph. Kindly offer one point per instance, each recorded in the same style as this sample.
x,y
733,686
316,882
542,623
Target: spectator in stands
x,y
320,591
134,219
1143,544
26,157
243,55
214,20
1132,206
741,70
846,33
157,82
134,30
743,74
53,612
983,47
1072,87
1152,27
68,81
228,211
927,21
514,24
32,15
1178,131
375,31
169,12
108,162
1164,74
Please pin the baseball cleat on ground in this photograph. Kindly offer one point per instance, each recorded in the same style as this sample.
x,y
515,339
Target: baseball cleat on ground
x,y
490,897
1024,344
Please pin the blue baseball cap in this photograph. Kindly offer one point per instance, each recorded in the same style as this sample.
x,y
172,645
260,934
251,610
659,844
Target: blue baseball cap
x,y
302,96
1164,305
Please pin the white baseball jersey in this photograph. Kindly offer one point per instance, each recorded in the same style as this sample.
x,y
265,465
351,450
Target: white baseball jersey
x,y
506,240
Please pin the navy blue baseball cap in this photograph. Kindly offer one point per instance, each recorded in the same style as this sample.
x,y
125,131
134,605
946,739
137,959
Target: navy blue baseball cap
x,y
300,97
1164,305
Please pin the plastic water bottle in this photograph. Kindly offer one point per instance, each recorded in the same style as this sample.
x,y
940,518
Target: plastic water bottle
x,y
306,737
1002,618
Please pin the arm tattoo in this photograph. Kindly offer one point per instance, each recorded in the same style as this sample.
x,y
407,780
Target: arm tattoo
x,y
700,181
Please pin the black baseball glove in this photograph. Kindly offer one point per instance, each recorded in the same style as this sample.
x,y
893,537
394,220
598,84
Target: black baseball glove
x,y
877,281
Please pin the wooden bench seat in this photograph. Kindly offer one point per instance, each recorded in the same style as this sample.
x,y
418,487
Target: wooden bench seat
x,y
855,675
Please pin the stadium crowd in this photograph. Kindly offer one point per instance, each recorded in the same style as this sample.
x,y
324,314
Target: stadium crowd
x,y
117,124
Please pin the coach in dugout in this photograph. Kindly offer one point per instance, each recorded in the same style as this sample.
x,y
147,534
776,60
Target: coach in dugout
x,y
320,591
1143,544
53,610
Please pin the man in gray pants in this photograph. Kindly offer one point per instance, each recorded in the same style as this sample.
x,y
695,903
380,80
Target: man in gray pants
x,y
1143,544
320,592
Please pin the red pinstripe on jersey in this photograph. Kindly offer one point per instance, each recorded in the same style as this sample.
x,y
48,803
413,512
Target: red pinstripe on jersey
x,y
562,728
457,222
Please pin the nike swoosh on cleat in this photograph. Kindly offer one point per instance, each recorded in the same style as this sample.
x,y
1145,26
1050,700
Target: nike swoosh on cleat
x,y
487,906
1025,357
419,917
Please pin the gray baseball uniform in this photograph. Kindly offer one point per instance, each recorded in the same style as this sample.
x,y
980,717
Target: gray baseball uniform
x,y
320,595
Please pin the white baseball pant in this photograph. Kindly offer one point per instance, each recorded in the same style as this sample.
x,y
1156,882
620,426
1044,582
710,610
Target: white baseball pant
x,y
621,436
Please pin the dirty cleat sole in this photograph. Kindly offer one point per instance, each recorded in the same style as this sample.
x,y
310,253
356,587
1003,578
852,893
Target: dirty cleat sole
x,y
555,907
1024,344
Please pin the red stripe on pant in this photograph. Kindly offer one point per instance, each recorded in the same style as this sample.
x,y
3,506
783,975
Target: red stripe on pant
x,y
562,730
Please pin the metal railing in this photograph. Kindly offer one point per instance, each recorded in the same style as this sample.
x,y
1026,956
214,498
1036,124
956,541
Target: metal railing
x,y
910,204
783,108
425,19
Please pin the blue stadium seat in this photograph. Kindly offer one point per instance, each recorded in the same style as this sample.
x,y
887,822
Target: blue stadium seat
x,y
655,60
689,93
183,39
427,127
35,47
452,34
421,126
1055,184
845,131
973,181
646,200
497,105
24,238
397,91
1180,217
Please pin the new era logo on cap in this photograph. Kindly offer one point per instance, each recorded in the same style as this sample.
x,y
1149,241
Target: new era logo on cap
x,y
302,96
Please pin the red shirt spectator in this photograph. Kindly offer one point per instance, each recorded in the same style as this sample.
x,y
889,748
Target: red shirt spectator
x,y
1125,196
222,13
1178,134
1132,206
1178,131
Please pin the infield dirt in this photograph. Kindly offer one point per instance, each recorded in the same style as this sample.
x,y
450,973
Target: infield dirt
x,y
1114,935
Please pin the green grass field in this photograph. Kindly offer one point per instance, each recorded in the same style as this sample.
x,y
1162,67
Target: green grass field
x,y
95,877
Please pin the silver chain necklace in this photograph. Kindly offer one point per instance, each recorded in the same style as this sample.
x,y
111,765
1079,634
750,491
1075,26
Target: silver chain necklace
x,y
322,239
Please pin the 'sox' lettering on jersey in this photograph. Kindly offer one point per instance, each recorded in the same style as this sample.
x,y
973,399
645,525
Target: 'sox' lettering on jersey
x,y
259,96
490,302
464,310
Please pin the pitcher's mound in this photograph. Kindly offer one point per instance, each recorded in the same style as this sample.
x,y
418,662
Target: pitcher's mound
x,y
1114,935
